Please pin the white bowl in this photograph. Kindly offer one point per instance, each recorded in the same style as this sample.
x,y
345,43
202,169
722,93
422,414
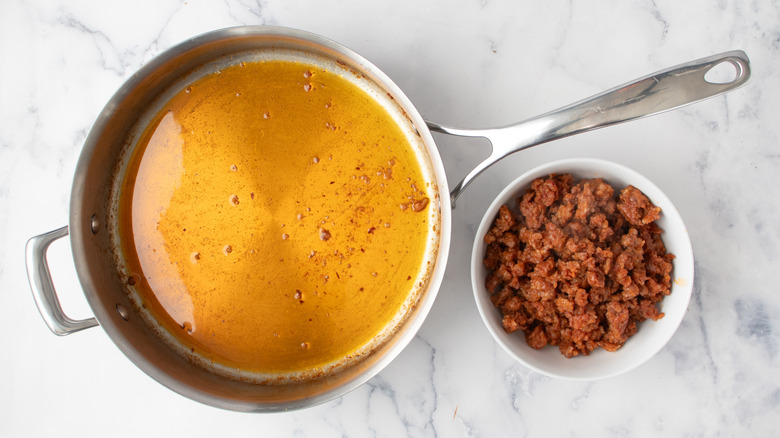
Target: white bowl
x,y
651,336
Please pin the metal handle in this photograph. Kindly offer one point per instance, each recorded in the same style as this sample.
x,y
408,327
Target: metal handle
x,y
653,94
43,288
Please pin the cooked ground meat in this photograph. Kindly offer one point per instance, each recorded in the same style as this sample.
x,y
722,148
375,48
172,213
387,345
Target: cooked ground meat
x,y
577,267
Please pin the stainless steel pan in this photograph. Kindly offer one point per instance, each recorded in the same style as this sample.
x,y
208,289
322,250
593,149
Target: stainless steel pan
x,y
100,161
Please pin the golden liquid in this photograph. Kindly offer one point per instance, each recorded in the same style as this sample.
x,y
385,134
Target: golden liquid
x,y
277,216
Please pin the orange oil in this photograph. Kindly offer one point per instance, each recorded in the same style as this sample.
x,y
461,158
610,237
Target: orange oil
x,y
277,217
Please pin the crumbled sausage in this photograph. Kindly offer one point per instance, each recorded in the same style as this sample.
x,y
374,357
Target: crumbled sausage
x,y
577,266
636,208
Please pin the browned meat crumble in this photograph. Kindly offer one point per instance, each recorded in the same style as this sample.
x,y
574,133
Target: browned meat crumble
x,y
577,267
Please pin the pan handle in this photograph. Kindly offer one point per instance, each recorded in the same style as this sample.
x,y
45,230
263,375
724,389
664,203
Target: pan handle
x,y
43,288
653,94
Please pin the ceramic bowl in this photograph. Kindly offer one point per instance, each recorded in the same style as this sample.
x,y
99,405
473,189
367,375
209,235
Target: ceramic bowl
x,y
651,335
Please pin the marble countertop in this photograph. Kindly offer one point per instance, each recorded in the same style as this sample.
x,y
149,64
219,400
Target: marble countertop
x,y
464,63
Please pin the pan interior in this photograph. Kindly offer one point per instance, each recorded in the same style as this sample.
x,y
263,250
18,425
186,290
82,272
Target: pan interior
x,y
276,216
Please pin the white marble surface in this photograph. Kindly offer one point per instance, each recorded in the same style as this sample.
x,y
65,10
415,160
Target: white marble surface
x,y
466,63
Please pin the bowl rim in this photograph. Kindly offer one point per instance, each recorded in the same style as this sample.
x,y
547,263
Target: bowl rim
x,y
682,281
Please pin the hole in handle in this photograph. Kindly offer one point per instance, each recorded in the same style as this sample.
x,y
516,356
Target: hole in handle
x,y
724,72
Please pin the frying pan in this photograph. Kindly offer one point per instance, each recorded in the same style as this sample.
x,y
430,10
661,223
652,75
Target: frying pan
x,y
100,166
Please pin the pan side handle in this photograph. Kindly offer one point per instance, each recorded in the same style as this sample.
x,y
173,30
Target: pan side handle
x,y
43,288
